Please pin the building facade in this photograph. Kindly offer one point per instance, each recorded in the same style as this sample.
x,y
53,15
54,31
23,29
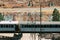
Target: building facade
x,y
26,16
28,3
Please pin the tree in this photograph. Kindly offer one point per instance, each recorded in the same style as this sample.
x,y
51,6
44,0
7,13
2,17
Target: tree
x,y
58,38
53,38
56,15
29,3
1,17
50,4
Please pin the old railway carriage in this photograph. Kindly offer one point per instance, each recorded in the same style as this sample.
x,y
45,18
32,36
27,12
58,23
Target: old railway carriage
x,y
39,26
8,26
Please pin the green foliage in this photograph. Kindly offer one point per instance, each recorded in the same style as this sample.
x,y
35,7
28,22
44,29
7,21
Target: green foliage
x,y
19,36
29,14
29,3
1,17
56,15
51,4
57,38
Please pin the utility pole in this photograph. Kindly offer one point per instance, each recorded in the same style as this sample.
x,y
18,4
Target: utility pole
x,y
39,38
